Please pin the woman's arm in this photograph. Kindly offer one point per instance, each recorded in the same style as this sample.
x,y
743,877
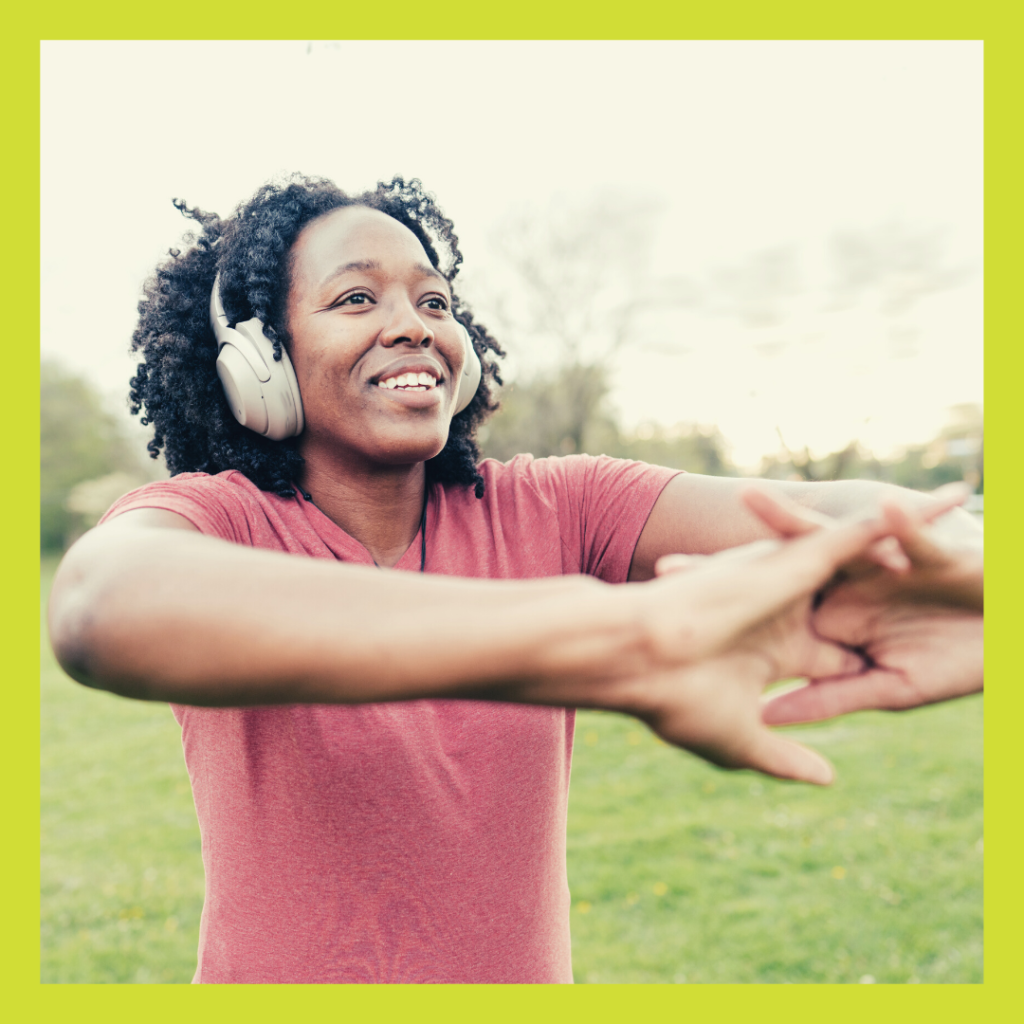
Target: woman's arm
x,y
699,515
147,607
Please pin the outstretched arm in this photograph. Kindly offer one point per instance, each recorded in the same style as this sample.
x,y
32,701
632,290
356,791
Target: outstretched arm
x,y
699,515
146,607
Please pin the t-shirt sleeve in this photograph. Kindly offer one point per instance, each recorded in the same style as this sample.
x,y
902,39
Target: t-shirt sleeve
x,y
602,505
210,503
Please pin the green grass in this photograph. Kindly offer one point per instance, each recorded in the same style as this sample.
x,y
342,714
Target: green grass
x,y
122,876
679,872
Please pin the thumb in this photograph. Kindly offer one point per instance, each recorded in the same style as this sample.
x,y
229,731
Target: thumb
x,y
784,758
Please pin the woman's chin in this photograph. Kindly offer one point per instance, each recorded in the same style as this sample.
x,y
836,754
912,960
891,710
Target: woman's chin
x,y
393,449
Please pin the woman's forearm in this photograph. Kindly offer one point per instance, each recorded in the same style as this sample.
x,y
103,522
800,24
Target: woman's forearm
x,y
703,514
838,498
177,616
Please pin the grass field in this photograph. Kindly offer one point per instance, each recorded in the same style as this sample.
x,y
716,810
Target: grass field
x,y
679,872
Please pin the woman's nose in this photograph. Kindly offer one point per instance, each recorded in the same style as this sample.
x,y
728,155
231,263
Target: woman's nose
x,y
406,328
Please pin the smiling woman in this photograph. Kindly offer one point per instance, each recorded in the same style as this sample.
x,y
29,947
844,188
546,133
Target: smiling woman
x,y
380,759
253,253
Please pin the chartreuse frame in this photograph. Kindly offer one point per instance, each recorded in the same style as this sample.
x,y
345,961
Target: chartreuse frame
x,y
25,999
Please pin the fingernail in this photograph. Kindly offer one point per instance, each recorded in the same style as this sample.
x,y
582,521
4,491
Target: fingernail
x,y
821,773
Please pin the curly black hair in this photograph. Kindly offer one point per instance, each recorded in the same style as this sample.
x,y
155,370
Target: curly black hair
x,y
177,386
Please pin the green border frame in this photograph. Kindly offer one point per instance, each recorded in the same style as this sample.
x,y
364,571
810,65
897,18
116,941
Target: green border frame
x,y
988,20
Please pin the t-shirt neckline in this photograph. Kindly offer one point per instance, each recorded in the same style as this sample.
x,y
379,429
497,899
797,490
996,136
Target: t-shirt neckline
x,y
413,550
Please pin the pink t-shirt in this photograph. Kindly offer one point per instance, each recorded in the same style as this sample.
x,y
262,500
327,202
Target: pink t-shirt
x,y
419,841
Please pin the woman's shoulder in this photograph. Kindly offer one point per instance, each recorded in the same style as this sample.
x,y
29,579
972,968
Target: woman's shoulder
x,y
208,500
589,471
228,482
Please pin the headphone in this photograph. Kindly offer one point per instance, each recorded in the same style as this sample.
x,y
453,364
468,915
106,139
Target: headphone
x,y
262,391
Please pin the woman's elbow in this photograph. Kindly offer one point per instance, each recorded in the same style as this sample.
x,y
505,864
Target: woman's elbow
x,y
79,606
70,619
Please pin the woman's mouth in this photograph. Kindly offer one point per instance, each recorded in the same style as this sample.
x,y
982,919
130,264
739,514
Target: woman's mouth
x,y
409,382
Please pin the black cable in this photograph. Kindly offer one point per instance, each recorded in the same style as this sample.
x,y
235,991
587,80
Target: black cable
x,y
423,536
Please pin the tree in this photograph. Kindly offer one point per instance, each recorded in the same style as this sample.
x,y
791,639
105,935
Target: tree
x,y
566,413
555,414
79,441
688,446
577,286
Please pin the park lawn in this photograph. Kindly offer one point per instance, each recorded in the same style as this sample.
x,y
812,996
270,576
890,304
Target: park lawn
x,y
121,869
679,871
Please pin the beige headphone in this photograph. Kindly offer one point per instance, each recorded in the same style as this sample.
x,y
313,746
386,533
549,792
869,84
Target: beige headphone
x,y
262,391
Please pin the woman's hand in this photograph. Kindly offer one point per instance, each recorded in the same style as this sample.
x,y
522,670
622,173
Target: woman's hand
x,y
918,627
738,621
702,605
926,568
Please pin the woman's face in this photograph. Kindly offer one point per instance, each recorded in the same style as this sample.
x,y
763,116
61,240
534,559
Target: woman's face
x,y
376,351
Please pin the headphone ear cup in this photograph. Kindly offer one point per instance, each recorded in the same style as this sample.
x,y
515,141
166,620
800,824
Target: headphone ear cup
x,y
277,380
262,392
472,372
242,389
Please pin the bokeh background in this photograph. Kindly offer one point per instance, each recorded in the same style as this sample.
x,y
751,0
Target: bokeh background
x,y
742,258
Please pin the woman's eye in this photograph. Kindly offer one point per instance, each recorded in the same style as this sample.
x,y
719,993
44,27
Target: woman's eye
x,y
355,299
436,302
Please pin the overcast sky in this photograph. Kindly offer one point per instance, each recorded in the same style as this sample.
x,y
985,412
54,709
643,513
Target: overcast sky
x,y
751,147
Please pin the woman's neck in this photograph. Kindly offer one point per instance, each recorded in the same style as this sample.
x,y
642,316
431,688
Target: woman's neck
x,y
380,507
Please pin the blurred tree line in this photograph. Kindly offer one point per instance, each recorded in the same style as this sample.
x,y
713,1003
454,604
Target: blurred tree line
x,y
567,412
579,282
956,453
87,458
578,286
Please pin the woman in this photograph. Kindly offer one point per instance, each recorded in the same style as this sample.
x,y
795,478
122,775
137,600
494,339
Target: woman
x,y
380,759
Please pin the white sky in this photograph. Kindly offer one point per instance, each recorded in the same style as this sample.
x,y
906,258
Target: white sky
x,y
752,145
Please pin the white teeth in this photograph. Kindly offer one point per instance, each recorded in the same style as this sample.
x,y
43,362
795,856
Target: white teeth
x,y
417,381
